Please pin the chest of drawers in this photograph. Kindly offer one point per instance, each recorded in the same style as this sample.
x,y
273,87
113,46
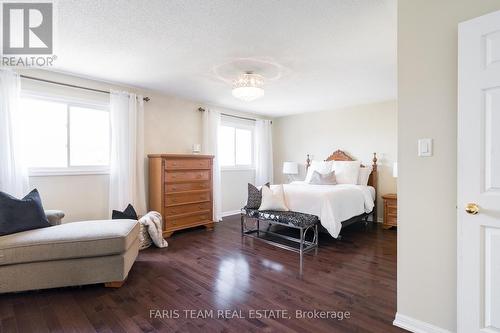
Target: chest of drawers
x,y
180,188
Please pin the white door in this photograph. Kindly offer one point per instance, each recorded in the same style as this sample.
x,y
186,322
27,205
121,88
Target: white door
x,y
479,175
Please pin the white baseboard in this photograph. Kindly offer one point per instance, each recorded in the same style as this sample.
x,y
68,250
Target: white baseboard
x,y
416,326
232,212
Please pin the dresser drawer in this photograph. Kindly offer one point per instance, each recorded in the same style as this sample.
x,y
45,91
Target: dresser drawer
x,y
189,208
187,197
391,210
182,176
187,164
391,220
186,220
179,187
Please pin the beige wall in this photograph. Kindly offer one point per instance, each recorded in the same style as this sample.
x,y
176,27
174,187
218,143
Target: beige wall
x,y
427,88
234,189
82,197
359,130
171,125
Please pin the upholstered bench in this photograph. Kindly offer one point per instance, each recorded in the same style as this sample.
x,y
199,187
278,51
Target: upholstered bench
x,y
301,221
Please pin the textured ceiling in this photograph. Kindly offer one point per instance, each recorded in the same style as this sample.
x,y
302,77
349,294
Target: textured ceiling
x,y
322,54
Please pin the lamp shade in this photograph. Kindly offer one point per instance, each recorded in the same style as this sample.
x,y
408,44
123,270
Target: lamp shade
x,y
290,168
395,170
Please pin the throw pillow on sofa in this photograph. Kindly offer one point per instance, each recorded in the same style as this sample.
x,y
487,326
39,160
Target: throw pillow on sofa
x,y
18,215
128,214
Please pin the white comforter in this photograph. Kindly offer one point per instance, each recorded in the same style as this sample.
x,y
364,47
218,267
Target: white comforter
x,y
331,203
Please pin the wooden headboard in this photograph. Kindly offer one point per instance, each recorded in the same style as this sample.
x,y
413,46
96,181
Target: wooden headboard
x,y
340,155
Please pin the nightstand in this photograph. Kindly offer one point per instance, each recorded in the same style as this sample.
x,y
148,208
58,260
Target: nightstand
x,y
390,211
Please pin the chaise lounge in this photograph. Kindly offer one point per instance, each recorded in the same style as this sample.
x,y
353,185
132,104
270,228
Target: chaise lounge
x,y
69,254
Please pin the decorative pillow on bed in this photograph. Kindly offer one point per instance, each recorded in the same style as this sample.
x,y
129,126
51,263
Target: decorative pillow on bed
x,y
323,179
364,175
273,199
319,166
254,196
347,172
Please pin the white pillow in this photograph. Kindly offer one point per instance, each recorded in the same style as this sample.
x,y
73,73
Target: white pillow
x,y
347,172
322,167
273,199
364,175
323,179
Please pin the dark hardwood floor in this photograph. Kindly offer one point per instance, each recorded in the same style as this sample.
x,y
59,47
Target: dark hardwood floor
x,y
217,270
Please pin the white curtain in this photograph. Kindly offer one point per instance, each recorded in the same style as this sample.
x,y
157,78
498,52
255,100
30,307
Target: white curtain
x,y
13,173
211,125
263,152
127,177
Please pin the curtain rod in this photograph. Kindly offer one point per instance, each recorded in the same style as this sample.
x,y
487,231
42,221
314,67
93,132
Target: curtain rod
x,y
146,99
231,115
239,117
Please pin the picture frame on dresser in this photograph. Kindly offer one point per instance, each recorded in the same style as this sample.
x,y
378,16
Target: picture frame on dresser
x,y
181,190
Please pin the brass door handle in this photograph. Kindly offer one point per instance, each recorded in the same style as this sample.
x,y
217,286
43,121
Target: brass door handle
x,y
472,208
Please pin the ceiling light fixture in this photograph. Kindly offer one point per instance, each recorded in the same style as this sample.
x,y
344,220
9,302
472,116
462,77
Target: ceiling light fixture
x,y
248,87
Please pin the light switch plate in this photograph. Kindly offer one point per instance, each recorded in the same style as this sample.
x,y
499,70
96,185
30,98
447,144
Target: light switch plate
x,y
425,147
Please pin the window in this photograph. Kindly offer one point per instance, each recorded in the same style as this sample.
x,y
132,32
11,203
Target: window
x,y
62,137
236,145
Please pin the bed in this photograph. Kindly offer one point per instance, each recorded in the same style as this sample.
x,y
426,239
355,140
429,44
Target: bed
x,y
336,205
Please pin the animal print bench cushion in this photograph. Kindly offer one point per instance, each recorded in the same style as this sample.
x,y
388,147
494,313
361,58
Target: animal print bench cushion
x,y
292,218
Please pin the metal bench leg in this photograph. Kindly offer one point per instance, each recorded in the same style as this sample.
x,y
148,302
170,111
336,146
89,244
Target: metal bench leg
x,y
301,250
258,228
316,237
242,223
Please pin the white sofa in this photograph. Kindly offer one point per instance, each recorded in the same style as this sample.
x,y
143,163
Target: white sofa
x,y
68,254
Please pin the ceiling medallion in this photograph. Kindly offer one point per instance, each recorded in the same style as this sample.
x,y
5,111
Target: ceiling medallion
x,y
248,87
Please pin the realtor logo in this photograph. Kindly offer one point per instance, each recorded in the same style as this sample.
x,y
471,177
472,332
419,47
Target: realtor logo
x,y
27,28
